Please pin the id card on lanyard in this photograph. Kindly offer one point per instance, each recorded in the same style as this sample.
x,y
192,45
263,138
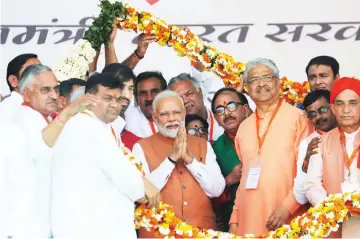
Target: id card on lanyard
x,y
253,178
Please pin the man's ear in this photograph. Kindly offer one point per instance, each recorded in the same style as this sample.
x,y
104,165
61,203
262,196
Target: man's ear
x,y
154,116
26,94
337,76
62,102
13,80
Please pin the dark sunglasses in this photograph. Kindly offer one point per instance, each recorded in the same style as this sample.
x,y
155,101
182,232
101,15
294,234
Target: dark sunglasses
x,y
201,131
313,113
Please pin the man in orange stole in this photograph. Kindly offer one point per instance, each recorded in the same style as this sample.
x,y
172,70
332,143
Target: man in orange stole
x,y
181,166
267,142
336,168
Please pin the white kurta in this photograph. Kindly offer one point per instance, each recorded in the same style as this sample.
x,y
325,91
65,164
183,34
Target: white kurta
x,y
9,106
208,175
32,123
298,189
18,188
94,186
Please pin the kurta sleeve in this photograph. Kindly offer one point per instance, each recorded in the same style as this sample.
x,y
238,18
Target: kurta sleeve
x,y
303,129
299,191
120,171
315,192
204,79
160,175
235,212
208,175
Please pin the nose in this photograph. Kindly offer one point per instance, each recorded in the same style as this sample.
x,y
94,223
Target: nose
x,y
171,117
53,94
149,97
346,108
126,94
317,80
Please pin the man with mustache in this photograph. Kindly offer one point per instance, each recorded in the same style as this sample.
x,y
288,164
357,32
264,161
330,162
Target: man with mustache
x,y
37,118
321,72
126,76
336,167
139,119
183,167
230,109
317,108
15,68
267,143
191,93
94,185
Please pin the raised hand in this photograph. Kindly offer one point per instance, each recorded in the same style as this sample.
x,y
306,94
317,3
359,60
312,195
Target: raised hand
x,y
143,43
176,153
186,155
277,218
311,150
152,194
79,105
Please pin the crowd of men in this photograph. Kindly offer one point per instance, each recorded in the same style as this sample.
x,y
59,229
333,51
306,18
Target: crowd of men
x,y
228,167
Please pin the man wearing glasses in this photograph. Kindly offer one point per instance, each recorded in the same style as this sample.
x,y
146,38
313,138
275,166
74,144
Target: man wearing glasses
x,y
317,108
230,109
267,143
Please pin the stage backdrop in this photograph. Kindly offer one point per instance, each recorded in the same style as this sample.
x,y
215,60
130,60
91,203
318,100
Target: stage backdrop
x,y
289,32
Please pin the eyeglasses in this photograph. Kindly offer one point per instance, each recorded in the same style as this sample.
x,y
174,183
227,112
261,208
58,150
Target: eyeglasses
x,y
266,78
313,113
201,131
231,106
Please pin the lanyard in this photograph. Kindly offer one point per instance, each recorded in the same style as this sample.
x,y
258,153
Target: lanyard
x,y
348,161
262,139
152,126
211,126
319,132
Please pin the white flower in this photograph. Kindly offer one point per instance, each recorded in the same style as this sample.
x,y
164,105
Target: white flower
x,y
164,231
330,215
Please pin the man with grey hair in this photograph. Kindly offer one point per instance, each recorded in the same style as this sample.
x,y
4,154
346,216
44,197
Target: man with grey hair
x,y
185,165
267,142
38,119
191,93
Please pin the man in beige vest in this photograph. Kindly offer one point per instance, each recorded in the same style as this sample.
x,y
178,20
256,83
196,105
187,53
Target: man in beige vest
x,y
335,169
182,166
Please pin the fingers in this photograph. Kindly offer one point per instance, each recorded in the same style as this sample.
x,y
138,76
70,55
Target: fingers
x,y
146,39
270,220
280,223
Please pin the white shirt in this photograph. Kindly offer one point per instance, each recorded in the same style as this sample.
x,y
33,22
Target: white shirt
x,y
298,189
9,106
94,186
208,175
18,188
32,123
118,126
315,191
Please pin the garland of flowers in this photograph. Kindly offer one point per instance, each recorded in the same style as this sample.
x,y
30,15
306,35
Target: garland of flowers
x,y
317,222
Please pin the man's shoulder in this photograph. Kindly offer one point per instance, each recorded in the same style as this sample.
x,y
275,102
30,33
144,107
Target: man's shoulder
x,y
219,142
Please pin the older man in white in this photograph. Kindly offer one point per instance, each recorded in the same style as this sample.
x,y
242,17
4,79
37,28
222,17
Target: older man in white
x,y
183,167
41,125
94,185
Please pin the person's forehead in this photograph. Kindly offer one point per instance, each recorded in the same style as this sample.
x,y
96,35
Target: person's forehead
x,y
169,103
318,103
313,69
150,83
225,97
196,122
129,83
347,95
259,70
107,91
183,86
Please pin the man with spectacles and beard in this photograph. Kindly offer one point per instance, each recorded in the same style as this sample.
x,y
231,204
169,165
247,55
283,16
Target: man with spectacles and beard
x,y
230,109
317,109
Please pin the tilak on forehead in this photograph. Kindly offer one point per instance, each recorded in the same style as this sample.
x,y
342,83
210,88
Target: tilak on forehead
x,y
345,83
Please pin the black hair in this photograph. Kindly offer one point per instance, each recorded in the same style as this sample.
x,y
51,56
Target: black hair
x,y
326,61
189,118
65,87
104,79
241,97
315,95
15,65
149,74
120,71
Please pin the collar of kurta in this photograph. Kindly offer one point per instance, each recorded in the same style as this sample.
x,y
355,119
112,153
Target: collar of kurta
x,y
232,138
46,117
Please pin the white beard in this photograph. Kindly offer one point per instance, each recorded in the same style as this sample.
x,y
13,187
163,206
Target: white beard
x,y
170,133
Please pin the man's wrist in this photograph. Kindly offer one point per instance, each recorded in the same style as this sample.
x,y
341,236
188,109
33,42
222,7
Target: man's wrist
x,y
137,54
171,160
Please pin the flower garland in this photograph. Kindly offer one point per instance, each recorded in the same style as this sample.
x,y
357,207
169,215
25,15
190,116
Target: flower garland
x,y
317,222
294,92
76,64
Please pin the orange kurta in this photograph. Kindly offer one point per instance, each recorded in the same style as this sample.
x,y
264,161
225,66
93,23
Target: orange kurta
x,y
277,160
